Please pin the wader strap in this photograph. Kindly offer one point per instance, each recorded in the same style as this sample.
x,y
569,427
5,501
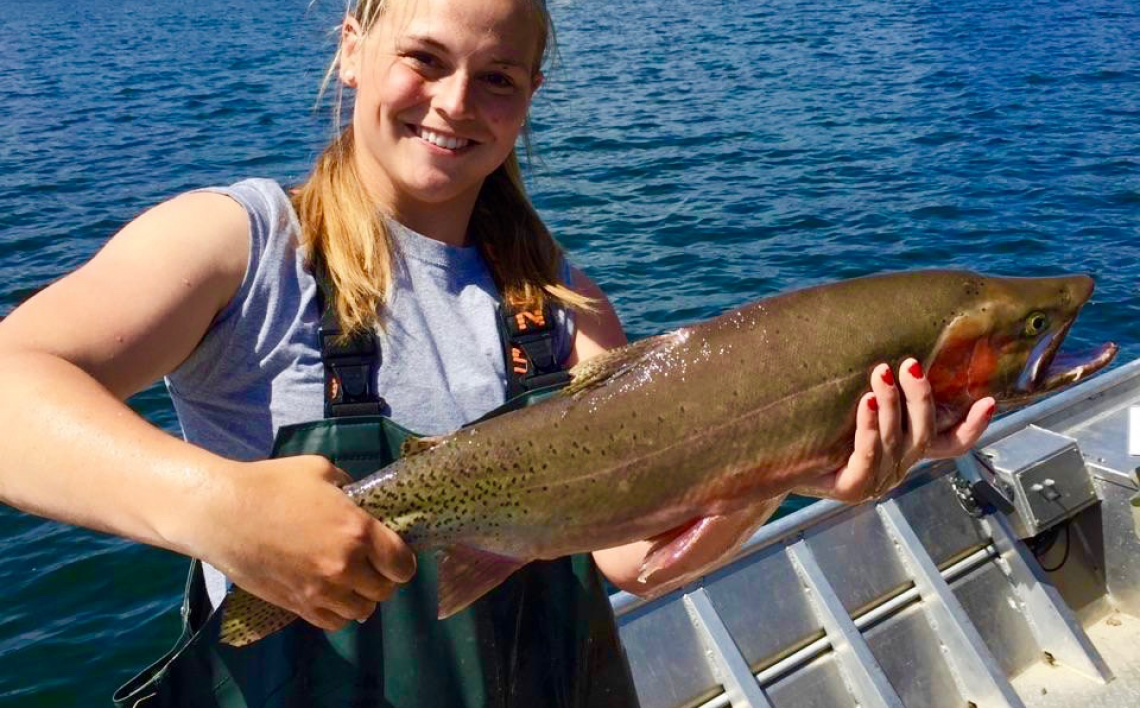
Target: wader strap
x,y
350,363
528,349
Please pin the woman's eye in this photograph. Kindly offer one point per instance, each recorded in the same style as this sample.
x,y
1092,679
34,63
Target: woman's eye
x,y
422,58
500,82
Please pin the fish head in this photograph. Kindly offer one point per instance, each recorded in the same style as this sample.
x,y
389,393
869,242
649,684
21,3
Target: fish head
x,y
1006,343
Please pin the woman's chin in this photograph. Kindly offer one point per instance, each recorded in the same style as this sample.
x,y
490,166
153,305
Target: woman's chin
x,y
440,189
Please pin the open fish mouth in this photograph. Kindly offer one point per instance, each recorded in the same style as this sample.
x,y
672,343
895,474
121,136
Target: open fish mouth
x,y
1049,369
1068,368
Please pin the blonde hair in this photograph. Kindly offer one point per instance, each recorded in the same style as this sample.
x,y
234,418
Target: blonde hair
x,y
346,234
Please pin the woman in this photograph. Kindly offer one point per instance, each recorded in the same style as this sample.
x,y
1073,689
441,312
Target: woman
x,y
414,223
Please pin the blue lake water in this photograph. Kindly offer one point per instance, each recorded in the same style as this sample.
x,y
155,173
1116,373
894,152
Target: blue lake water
x,y
691,156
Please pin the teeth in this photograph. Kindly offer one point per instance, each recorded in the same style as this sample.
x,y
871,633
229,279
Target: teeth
x,y
443,141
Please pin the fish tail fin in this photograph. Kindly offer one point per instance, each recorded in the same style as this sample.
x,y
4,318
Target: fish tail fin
x,y
247,618
467,574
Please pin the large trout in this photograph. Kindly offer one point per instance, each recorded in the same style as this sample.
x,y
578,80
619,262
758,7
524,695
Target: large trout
x,y
705,420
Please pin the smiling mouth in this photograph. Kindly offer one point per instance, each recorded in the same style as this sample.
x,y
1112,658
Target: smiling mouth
x,y
447,142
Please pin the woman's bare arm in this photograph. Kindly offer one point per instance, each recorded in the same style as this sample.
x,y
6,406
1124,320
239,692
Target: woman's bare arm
x,y
73,451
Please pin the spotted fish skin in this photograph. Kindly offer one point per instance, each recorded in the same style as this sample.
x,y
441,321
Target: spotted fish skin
x,y
709,419
248,618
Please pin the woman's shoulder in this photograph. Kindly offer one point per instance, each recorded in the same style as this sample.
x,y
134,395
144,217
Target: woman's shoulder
x,y
257,191
232,224
264,200
261,315
274,259
271,224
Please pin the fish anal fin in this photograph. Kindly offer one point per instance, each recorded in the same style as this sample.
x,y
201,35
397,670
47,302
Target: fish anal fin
x,y
671,546
247,618
414,446
467,574
599,369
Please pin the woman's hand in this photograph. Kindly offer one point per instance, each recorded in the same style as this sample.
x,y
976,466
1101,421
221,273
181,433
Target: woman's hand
x,y
286,532
885,449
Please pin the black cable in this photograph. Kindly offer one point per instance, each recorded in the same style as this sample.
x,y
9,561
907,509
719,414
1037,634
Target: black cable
x,y
1064,557
1044,542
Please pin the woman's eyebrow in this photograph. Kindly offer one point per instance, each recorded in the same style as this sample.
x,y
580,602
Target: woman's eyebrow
x,y
436,44
422,39
507,61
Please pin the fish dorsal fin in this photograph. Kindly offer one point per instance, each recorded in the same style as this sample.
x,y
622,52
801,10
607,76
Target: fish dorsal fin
x,y
597,370
414,446
467,574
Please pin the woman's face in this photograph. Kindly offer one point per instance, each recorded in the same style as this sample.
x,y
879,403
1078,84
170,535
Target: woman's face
x,y
442,91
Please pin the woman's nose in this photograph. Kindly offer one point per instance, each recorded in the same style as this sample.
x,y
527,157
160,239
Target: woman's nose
x,y
453,96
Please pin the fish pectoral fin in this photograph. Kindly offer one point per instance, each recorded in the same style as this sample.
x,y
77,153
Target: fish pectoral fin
x,y
599,369
670,549
247,618
467,574
719,534
414,446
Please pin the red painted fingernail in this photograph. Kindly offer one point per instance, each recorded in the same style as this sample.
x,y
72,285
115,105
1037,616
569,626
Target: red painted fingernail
x,y
888,377
873,403
915,370
991,411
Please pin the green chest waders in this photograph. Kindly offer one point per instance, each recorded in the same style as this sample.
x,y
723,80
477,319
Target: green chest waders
x,y
544,638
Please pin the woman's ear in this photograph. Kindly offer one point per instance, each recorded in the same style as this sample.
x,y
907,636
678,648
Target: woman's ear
x,y
536,82
351,38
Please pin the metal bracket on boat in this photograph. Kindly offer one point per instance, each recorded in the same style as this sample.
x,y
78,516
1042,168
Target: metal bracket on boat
x,y
978,487
1048,477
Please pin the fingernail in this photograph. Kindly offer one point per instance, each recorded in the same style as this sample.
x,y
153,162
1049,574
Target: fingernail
x,y
873,404
410,569
915,370
992,410
888,377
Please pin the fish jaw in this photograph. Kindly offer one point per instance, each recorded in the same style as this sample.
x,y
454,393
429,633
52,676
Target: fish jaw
x,y
1006,344
1067,369
1063,369
1046,369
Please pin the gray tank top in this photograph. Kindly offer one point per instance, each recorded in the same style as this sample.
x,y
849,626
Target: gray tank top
x,y
259,368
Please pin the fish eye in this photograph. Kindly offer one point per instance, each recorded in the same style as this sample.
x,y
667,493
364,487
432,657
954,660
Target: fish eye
x,y
1036,323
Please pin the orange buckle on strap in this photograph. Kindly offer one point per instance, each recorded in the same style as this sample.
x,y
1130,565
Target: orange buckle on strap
x,y
519,360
